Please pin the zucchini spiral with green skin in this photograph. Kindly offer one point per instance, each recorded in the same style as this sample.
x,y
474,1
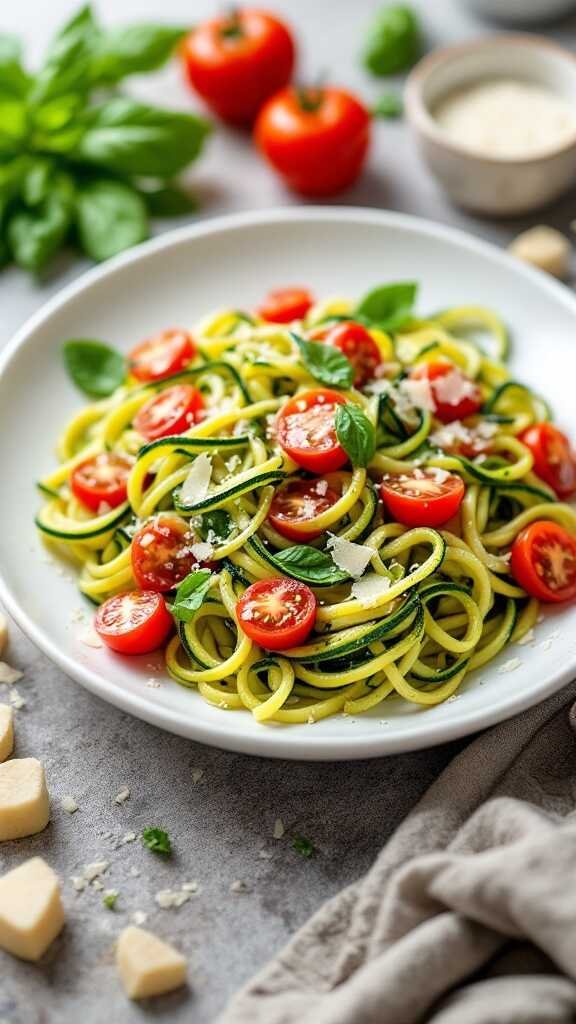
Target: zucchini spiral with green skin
x,y
450,603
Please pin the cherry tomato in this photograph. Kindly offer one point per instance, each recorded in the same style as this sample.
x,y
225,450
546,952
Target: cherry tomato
x,y
447,381
172,411
101,480
357,344
425,497
161,356
162,554
283,305
236,61
554,461
543,562
306,430
296,502
133,623
277,613
317,139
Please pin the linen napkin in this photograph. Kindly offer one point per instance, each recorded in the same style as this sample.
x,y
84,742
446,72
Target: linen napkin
x,y
468,915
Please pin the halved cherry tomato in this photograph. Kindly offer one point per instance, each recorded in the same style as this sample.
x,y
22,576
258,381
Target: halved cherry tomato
x,y
554,460
134,623
161,356
277,613
172,411
425,497
282,305
317,139
306,430
236,61
358,345
101,480
543,562
162,554
296,502
447,381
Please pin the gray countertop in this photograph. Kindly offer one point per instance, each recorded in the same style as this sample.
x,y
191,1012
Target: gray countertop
x,y
219,808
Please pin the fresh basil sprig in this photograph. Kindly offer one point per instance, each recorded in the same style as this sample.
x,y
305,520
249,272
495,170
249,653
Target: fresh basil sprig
x,y
355,433
79,161
309,565
389,306
325,362
393,41
190,595
94,367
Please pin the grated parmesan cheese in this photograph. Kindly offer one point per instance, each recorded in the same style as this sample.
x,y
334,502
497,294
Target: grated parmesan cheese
x,y
196,484
202,551
9,675
416,394
510,666
348,556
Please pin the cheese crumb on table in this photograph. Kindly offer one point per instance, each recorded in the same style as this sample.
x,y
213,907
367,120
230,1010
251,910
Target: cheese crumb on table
x,y
31,912
545,248
9,675
279,829
6,731
147,965
122,796
24,802
69,804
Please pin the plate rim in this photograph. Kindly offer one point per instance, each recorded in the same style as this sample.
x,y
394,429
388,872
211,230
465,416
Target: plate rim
x,y
274,743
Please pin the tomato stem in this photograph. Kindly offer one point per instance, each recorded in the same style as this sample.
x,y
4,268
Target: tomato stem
x,y
232,29
310,97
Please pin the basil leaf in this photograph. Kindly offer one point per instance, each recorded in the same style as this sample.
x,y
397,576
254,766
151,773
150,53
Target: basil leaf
x,y
36,181
67,65
356,434
13,127
325,362
170,201
388,306
190,595
217,524
94,367
393,42
388,105
133,49
132,138
309,564
35,235
111,216
13,79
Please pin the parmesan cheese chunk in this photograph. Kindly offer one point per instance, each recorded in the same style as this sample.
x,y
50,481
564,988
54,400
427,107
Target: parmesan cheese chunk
x,y
349,557
31,912
24,803
196,484
545,248
370,588
148,966
6,731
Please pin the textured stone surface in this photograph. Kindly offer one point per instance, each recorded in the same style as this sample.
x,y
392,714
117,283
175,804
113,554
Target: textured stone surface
x,y
222,825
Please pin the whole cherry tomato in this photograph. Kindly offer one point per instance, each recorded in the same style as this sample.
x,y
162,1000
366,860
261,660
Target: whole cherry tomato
x,y
282,305
235,62
317,139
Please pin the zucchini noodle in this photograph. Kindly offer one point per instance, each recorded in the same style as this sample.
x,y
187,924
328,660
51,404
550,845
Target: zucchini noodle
x,y
440,601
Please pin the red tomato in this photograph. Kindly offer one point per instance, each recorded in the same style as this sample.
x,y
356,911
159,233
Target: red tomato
x,y
162,553
306,431
358,345
296,502
446,380
101,480
133,623
317,139
554,461
543,562
277,613
422,498
236,61
283,305
161,356
172,411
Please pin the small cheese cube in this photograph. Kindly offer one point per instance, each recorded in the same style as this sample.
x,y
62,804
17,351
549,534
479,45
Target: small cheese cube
x,y
6,731
148,966
24,803
545,248
31,912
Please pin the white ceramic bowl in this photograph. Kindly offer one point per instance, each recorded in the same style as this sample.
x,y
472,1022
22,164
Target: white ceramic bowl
x,y
521,12
492,186
179,277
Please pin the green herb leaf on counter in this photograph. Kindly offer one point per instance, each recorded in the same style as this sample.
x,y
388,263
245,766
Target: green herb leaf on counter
x,y
111,216
388,106
94,367
158,841
190,595
309,565
325,363
110,899
393,40
356,434
389,306
305,847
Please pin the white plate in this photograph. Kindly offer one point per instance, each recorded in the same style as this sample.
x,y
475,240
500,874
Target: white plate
x,y
233,261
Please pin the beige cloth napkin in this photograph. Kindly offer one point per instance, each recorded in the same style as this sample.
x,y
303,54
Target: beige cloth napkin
x,y
468,915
